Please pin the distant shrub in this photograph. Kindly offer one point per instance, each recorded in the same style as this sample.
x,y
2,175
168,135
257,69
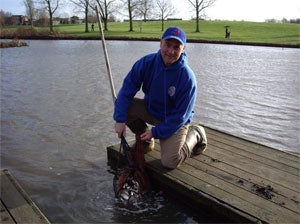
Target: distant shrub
x,y
29,32
26,32
7,33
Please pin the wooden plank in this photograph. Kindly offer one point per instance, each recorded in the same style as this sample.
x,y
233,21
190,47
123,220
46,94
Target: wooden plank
x,y
4,215
188,190
287,167
228,179
255,167
220,167
229,192
18,203
254,148
279,194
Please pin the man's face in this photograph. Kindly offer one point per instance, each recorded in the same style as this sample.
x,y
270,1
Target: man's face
x,y
171,49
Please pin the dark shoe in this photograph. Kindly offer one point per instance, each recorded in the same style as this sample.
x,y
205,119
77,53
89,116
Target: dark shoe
x,y
201,139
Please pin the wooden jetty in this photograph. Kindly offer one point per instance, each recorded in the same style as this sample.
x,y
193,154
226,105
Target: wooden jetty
x,y
16,205
234,178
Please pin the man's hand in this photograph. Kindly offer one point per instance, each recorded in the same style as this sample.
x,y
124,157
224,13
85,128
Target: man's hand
x,y
147,135
120,129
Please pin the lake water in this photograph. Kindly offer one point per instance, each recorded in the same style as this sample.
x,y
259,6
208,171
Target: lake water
x,y
56,118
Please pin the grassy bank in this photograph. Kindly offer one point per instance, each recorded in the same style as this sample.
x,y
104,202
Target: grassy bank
x,y
210,31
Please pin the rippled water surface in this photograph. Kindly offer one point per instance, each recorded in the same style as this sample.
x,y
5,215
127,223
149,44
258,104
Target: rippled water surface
x,y
56,118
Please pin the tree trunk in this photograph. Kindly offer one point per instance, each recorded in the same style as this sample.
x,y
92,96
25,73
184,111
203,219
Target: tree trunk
x,y
51,21
86,11
197,20
50,16
106,16
130,17
162,24
105,24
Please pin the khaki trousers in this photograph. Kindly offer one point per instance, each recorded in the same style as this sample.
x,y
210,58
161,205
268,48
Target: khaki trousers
x,y
173,149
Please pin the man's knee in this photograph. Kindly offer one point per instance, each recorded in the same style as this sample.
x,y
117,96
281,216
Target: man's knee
x,y
170,163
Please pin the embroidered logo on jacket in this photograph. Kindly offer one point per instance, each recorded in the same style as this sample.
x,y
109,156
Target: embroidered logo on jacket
x,y
171,90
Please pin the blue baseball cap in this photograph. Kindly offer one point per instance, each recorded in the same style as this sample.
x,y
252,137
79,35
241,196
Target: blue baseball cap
x,y
174,32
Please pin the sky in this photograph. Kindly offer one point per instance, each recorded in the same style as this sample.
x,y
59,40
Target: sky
x,y
247,10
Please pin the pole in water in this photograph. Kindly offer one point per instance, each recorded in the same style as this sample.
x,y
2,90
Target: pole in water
x,y
113,93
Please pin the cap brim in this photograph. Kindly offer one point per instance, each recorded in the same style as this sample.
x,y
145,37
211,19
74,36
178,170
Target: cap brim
x,y
174,37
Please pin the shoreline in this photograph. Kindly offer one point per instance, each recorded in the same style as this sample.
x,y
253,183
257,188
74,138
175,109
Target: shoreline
x,y
66,37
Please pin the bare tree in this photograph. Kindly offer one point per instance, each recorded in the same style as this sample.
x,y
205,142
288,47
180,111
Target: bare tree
x,y
5,18
199,6
106,8
2,18
42,16
51,6
29,5
84,4
145,8
165,9
132,6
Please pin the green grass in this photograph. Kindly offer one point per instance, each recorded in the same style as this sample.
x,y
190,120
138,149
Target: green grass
x,y
241,32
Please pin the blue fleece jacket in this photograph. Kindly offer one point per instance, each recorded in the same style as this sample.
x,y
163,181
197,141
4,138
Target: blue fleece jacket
x,y
170,93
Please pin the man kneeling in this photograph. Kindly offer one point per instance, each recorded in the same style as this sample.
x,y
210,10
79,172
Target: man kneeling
x,y
170,91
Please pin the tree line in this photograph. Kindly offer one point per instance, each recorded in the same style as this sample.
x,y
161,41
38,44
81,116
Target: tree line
x,y
133,9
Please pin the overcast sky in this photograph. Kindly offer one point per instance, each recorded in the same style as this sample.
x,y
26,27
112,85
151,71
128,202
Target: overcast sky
x,y
248,10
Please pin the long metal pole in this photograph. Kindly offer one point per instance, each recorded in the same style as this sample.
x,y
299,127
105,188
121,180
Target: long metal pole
x,y
113,93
